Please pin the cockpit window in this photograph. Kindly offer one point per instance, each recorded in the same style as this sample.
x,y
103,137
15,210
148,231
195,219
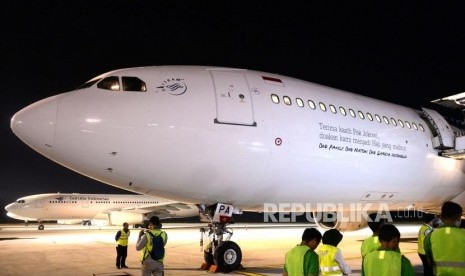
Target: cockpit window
x,y
88,84
21,201
109,83
133,84
129,84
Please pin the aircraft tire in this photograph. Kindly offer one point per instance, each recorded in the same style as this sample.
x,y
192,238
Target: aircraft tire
x,y
228,256
208,258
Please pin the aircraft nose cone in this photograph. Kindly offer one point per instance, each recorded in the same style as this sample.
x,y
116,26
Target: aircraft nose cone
x,y
35,124
9,207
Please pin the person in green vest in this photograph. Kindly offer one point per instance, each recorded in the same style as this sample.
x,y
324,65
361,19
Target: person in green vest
x,y
387,259
445,246
121,238
150,266
331,260
302,259
372,243
425,229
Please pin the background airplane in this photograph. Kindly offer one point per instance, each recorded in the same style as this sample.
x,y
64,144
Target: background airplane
x,y
244,140
102,209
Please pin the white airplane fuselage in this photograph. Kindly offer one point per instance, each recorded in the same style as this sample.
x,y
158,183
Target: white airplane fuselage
x,y
206,135
75,207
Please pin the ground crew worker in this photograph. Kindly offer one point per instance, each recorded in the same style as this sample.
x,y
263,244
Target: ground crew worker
x,y
331,260
445,246
387,260
122,238
302,259
372,243
425,229
149,265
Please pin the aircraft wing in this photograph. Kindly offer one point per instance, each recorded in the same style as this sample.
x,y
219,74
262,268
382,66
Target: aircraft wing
x,y
455,102
162,210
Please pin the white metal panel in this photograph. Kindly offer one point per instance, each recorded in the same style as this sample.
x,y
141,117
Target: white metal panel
x,y
233,100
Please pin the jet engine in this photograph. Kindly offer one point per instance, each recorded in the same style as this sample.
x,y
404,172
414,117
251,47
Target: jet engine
x,y
120,217
342,221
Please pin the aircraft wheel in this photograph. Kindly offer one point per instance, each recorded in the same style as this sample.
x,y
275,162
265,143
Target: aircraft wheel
x,y
228,256
41,227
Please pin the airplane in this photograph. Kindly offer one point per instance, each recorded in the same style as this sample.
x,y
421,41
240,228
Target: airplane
x,y
101,209
233,140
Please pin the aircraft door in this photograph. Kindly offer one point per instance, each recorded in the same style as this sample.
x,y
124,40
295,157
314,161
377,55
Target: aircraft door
x,y
233,99
39,203
445,136
85,204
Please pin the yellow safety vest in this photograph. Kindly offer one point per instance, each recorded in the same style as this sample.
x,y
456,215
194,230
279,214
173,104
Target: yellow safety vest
x,y
123,239
448,249
328,265
424,230
369,244
295,260
148,246
382,263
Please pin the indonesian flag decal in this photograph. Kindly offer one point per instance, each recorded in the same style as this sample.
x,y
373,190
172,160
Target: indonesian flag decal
x,y
273,81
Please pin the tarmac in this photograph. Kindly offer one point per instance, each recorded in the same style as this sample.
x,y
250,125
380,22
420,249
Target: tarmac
x,y
90,250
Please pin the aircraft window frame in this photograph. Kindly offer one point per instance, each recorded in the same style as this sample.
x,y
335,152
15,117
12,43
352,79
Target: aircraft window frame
x,y
369,116
322,106
88,84
300,102
414,126
361,115
311,104
421,127
408,124
133,84
287,100
393,121
378,118
342,110
275,98
111,83
332,108
352,113
386,120
401,123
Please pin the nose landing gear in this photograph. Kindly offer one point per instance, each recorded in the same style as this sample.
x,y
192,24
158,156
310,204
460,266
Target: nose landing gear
x,y
226,255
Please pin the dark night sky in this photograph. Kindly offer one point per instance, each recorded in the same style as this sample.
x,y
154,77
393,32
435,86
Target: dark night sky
x,y
404,53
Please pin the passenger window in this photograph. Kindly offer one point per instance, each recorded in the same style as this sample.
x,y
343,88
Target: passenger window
x,y
133,84
352,112
322,106
386,120
421,127
360,114
332,108
287,100
369,116
401,123
394,121
299,101
408,124
109,83
275,98
378,118
311,104
342,110
415,126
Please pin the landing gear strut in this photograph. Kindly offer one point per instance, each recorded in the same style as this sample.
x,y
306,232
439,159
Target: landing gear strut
x,y
220,251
